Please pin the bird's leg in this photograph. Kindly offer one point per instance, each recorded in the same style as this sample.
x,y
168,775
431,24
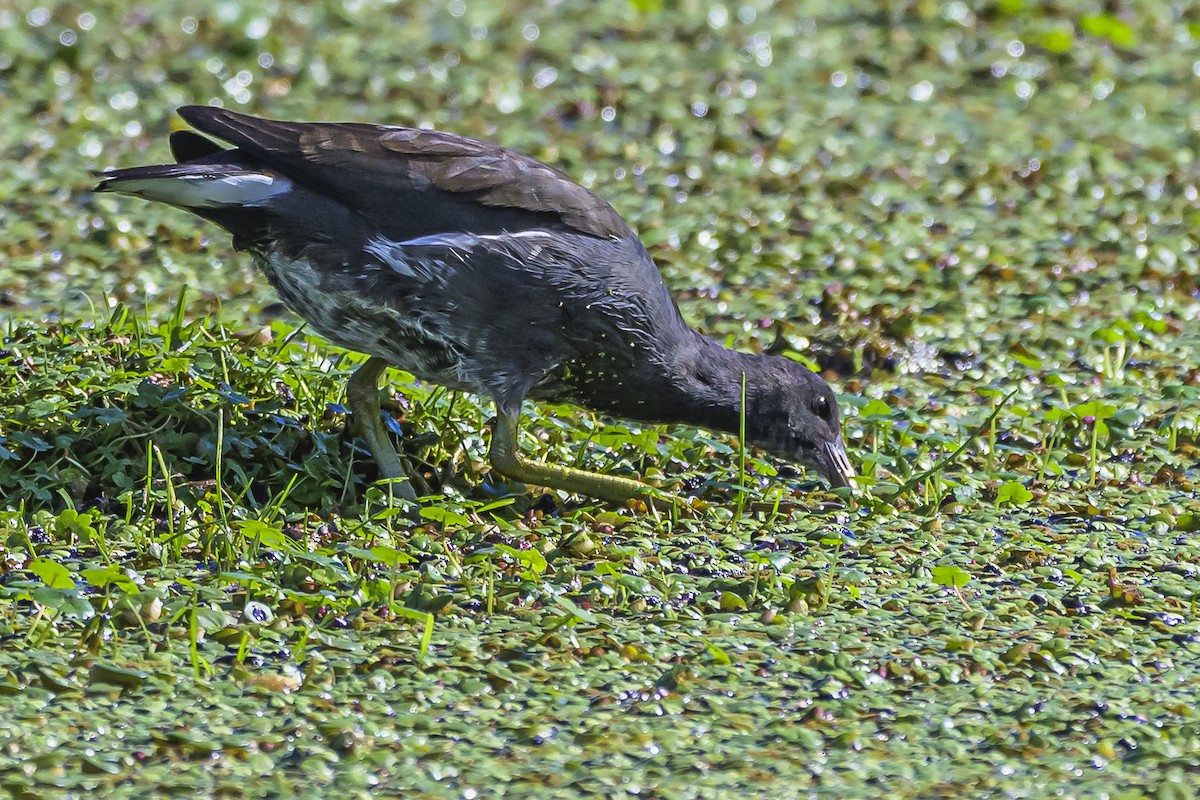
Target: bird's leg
x,y
506,459
362,395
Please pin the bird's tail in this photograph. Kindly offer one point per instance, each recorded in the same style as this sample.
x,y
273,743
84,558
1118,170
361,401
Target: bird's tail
x,y
198,185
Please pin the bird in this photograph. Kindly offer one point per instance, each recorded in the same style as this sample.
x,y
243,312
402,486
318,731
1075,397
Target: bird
x,y
476,267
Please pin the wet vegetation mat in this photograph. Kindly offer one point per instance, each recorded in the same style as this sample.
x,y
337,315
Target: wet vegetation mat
x,y
980,221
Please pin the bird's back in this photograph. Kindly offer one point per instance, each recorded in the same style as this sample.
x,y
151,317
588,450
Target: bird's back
x,y
410,182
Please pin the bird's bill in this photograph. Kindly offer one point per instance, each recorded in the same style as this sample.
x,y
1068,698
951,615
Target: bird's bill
x,y
836,465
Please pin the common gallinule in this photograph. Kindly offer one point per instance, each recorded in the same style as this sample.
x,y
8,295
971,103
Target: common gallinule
x,y
476,267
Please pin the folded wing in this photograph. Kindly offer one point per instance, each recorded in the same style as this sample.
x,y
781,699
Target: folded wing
x,y
412,183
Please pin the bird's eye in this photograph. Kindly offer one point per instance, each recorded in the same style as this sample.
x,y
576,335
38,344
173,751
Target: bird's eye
x,y
823,408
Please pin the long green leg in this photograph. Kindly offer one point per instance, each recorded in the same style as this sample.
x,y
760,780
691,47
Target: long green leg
x,y
362,395
506,459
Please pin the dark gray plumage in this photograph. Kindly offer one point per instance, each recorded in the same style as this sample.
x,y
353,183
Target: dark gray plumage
x,y
479,268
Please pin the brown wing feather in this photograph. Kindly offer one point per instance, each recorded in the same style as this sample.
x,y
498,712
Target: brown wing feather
x,y
354,162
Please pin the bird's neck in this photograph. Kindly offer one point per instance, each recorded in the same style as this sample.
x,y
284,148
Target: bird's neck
x,y
700,384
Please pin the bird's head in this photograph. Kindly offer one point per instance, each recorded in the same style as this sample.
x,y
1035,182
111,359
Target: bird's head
x,y
792,413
